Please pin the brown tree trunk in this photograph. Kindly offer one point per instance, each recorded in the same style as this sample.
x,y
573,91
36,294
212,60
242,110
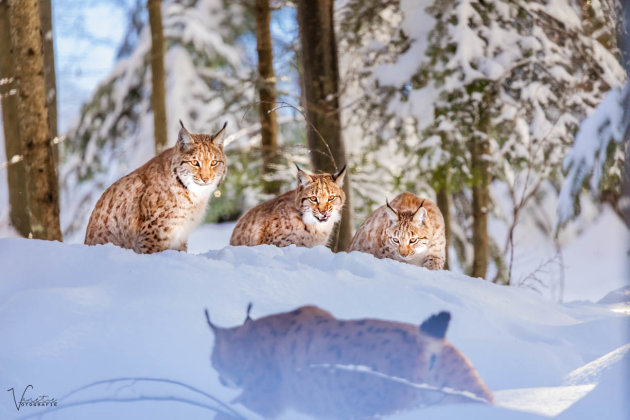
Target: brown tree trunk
x,y
16,174
479,151
480,204
158,96
41,173
444,203
321,92
45,14
267,90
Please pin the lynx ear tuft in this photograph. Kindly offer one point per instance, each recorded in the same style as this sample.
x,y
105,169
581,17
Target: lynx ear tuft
x,y
391,213
213,327
338,177
420,214
436,325
303,178
184,140
247,317
219,137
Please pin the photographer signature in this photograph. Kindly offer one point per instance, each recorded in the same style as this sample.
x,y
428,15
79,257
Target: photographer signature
x,y
40,401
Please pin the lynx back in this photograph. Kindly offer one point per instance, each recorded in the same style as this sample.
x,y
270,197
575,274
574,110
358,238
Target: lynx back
x,y
321,366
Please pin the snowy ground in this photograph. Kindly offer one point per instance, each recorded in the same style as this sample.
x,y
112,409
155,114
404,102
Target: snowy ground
x,y
592,265
71,315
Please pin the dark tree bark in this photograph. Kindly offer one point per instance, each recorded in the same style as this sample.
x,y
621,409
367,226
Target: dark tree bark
x,y
41,172
480,204
444,203
267,91
480,150
16,174
45,14
158,96
320,85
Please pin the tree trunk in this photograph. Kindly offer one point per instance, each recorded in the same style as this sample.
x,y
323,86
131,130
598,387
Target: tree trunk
x,y
41,173
480,204
267,90
158,96
479,151
321,92
444,203
50,81
16,174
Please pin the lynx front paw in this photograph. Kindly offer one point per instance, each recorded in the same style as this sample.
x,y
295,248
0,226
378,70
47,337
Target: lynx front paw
x,y
433,263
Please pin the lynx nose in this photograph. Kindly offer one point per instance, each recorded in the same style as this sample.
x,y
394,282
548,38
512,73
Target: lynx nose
x,y
404,252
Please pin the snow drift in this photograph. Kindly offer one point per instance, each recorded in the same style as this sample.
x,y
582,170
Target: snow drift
x,y
71,316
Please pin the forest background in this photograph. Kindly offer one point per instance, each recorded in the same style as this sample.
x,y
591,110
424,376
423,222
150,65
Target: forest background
x,y
512,115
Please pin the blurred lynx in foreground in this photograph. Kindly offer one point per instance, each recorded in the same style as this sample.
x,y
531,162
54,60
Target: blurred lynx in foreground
x,y
409,229
155,207
304,216
309,361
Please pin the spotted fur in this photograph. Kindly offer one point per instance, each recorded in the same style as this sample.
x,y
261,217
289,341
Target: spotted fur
x,y
304,216
409,229
303,360
155,207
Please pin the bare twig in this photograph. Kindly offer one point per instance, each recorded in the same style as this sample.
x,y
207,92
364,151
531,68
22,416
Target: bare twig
x,y
423,386
124,400
282,105
224,407
534,279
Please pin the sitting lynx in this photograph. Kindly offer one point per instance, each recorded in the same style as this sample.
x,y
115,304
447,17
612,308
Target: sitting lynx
x,y
313,363
410,229
155,207
304,216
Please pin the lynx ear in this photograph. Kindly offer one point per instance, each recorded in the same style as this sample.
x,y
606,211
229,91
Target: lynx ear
x,y
248,318
184,140
420,214
303,178
219,137
436,325
338,177
213,327
391,213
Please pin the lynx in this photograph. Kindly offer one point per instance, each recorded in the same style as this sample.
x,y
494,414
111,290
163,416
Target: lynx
x,y
311,362
155,207
409,229
304,216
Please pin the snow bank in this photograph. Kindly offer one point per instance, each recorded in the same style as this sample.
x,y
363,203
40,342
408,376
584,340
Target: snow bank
x,y
71,315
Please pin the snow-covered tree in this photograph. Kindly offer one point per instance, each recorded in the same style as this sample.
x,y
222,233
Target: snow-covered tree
x,y
474,91
597,159
210,78
207,84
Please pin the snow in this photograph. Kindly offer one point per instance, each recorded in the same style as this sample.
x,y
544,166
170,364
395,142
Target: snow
x,y
599,261
588,153
73,315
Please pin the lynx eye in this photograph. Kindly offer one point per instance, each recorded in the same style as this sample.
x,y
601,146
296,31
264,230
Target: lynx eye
x,y
214,163
195,163
396,241
313,199
413,240
331,198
